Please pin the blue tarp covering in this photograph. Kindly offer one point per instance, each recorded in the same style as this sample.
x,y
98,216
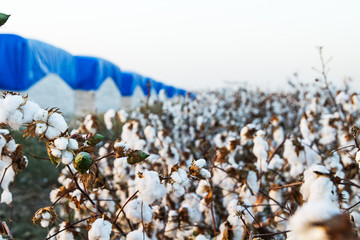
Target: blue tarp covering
x,y
23,62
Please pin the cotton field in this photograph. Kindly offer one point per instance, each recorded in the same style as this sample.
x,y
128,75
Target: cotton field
x,y
229,164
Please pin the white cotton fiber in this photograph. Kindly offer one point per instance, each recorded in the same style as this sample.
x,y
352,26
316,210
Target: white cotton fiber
x,y
57,121
133,211
150,187
6,197
41,115
52,133
100,230
61,143
67,157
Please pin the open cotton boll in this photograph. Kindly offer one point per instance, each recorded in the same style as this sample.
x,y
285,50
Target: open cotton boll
x,y
41,115
64,235
109,118
133,211
306,222
67,157
44,223
15,119
100,230
10,145
205,173
150,187
150,133
29,110
46,216
252,182
4,114
181,181
61,143
56,152
260,150
73,144
137,235
52,132
200,163
12,102
6,197
122,115
201,237
317,185
40,128
57,121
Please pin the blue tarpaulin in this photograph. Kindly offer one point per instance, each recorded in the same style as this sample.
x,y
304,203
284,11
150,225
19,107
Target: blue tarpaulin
x,y
23,62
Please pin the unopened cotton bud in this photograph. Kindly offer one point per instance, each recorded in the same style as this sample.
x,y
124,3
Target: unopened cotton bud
x,y
82,162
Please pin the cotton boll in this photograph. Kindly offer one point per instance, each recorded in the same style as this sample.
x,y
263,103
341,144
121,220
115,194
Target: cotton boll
x,y
41,115
9,175
61,143
6,197
201,237
12,102
302,223
57,121
109,118
40,128
150,187
100,230
4,114
317,186
133,211
150,133
252,182
67,157
29,110
46,216
44,223
200,163
73,144
64,235
56,152
53,195
10,145
52,133
137,235
205,173
15,119
122,115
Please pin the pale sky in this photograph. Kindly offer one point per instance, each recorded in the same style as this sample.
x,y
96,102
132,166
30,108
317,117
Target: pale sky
x,y
199,44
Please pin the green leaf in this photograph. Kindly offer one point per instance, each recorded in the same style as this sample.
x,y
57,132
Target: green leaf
x,y
93,140
3,18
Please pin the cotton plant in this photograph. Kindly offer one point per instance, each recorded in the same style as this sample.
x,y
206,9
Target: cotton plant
x,y
196,162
